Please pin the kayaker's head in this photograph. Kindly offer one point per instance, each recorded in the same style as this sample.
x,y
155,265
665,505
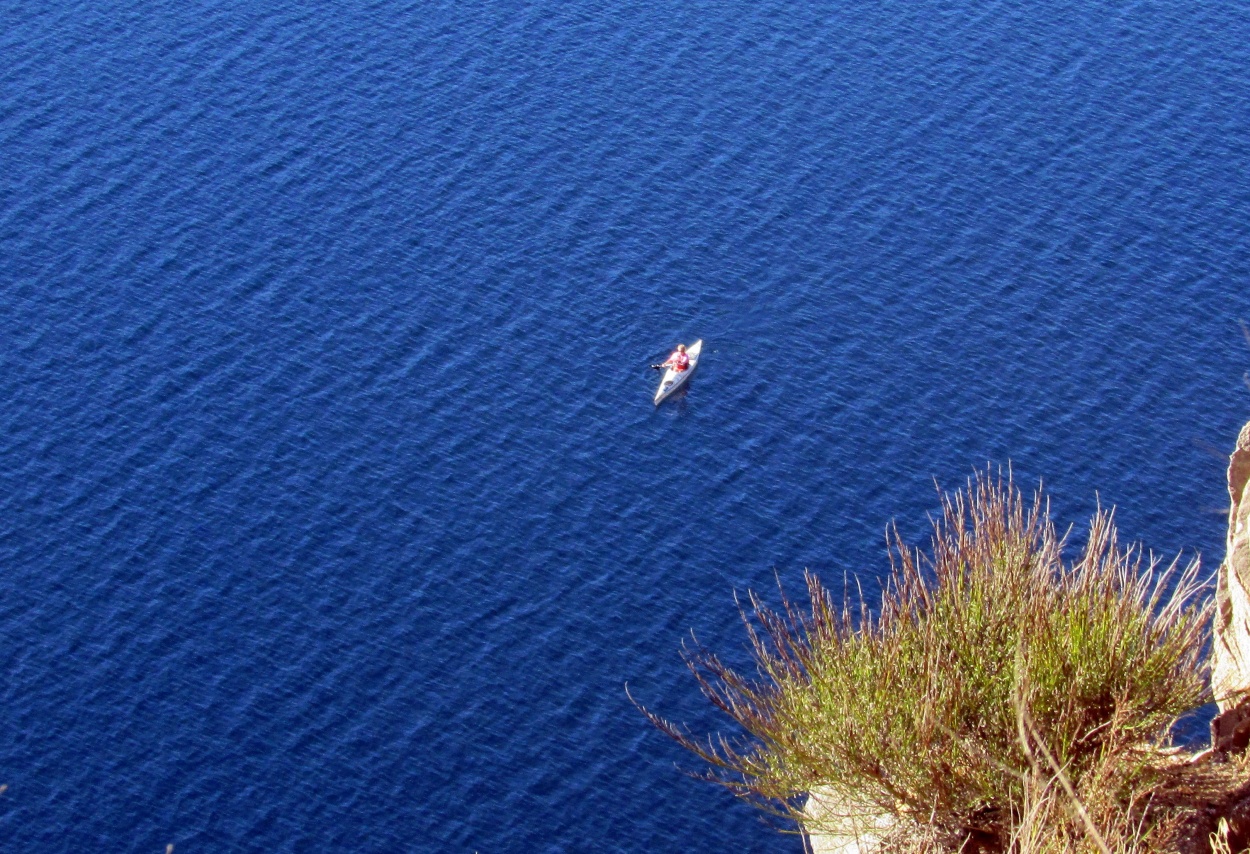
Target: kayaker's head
x,y
681,348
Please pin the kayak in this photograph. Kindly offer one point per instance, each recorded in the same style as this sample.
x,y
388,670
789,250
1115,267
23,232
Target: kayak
x,y
674,380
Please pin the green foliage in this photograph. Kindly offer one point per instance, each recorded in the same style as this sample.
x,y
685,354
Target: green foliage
x,y
916,711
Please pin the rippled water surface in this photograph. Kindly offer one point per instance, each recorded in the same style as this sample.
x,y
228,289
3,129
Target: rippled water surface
x,y
334,510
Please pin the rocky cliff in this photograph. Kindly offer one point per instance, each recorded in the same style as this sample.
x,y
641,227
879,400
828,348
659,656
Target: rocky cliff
x,y
1230,636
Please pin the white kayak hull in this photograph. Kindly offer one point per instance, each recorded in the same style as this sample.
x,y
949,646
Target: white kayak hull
x,y
674,380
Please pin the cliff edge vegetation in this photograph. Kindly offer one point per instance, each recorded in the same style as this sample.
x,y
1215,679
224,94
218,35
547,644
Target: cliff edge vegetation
x,y
1001,698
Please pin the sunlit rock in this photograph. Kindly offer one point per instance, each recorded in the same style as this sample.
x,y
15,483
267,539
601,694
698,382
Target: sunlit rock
x,y
1230,660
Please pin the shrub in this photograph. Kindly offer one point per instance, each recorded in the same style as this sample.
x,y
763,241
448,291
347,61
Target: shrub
x,y
918,712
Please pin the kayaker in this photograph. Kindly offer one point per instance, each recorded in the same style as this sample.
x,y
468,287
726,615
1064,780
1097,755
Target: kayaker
x,y
680,360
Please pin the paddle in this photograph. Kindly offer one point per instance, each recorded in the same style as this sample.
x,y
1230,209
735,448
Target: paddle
x,y
658,367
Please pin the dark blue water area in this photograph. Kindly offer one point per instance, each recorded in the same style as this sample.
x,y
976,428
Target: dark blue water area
x,y
335,514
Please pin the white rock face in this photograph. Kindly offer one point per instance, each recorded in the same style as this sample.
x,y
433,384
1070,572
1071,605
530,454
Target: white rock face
x,y
834,826
1230,658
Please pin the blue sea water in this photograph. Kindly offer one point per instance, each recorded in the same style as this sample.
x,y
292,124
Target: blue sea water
x,y
334,510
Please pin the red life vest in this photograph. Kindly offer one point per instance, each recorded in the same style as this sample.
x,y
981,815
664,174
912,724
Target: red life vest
x,y
680,361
